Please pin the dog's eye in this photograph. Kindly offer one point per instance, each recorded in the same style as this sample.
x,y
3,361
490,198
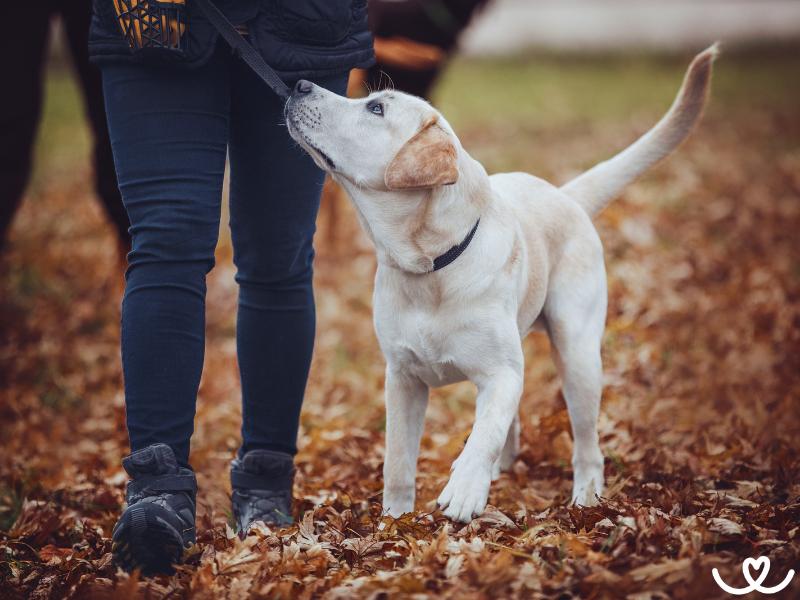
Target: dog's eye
x,y
376,109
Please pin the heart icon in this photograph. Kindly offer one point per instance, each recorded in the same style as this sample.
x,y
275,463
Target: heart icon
x,y
759,564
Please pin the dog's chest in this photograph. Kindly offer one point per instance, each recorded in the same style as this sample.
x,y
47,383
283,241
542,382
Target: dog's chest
x,y
425,338
425,345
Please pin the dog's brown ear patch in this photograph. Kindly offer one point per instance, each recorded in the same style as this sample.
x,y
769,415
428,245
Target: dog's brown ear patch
x,y
426,160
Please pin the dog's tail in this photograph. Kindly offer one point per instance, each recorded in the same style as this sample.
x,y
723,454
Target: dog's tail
x,y
599,185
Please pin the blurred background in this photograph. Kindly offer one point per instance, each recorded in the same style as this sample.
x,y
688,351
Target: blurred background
x,y
703,340
509,26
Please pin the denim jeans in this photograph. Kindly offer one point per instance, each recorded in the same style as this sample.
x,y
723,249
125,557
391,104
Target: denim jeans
x,y
170,132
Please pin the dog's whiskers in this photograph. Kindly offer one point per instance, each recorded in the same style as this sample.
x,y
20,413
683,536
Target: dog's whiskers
x,y
390,86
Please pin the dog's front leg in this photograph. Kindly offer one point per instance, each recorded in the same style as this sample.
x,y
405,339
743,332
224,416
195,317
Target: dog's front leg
x,y
406,401
511,446
466,493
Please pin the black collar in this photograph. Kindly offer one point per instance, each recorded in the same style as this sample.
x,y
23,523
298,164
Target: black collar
x,y
440,262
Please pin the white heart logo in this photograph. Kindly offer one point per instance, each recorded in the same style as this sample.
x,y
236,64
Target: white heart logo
x,y
761,566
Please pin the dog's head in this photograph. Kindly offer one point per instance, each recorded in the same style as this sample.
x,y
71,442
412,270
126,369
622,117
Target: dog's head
x,y
387,141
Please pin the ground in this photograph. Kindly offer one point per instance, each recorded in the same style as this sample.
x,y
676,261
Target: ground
x,y
700,422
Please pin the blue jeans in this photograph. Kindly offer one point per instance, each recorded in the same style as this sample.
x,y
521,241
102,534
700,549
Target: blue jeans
x,y
170,131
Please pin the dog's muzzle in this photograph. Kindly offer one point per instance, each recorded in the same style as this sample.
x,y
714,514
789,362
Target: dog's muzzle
x,y
300,118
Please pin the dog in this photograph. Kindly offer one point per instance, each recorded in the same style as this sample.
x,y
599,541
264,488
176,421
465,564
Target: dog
x,y
468,264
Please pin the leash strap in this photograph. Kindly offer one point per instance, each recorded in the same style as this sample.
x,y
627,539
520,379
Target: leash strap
x,y
243,48
441,261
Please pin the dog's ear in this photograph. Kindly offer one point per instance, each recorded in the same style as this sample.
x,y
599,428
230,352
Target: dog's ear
x,y
426,160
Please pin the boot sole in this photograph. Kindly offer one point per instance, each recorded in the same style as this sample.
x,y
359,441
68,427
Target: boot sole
x,y
146,542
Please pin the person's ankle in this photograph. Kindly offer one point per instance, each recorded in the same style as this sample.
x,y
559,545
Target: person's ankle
x,y
262,483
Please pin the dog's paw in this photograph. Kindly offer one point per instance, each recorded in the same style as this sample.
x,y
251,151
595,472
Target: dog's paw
x,y
398,502
587,486
465,495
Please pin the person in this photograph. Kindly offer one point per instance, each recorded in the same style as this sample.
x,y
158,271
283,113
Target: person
x,y
178,101
23,48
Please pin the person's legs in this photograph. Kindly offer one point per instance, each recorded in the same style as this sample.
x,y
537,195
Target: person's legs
x,y
275,192
76,15
169,131
22,50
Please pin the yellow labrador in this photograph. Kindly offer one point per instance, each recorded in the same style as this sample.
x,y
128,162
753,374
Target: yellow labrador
x,y
468,264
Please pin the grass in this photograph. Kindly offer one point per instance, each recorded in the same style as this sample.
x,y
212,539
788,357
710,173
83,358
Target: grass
x,y
63,144
531,94
546,91
504,109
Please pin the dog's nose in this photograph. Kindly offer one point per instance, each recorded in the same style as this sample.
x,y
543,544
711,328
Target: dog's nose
x,y
303,87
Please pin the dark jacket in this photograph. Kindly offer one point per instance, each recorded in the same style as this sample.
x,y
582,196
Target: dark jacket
x,y
297,38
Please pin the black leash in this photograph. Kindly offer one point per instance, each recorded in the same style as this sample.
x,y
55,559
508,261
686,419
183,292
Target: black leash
x,y
243,48
440,262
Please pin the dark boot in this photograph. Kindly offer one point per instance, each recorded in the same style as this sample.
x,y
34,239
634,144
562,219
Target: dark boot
x,y
262,488
158,522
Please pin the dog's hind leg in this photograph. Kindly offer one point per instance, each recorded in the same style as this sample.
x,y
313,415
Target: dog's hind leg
x,y
406,402
575,323
510,450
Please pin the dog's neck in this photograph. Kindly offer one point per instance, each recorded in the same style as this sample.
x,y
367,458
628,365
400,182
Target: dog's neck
x,y
410,228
